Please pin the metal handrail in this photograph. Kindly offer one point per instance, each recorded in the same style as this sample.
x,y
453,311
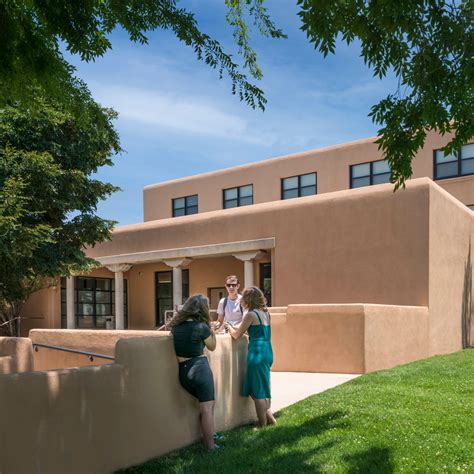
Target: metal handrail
x,y
91,355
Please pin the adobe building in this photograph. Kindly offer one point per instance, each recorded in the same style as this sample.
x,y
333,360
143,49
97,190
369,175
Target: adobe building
x,y
320,227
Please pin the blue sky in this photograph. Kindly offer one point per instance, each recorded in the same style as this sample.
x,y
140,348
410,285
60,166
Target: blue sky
x,y
177,118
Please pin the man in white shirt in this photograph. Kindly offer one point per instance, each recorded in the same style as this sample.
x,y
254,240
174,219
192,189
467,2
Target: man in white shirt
x,y
229,309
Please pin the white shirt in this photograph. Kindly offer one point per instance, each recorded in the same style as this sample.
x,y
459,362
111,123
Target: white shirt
x,y
232,314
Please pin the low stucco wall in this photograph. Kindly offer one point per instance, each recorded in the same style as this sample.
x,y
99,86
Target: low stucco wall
x,y
99,419
88,340
349,338
16,355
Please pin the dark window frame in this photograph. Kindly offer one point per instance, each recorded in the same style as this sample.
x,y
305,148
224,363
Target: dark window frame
x,y
94,301
186,206
262,279
184,289
299,188
238,196
370,176
459,161
470,206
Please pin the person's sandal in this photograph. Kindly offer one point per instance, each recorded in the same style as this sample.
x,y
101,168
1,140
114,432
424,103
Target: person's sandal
x,y
217,447
217,436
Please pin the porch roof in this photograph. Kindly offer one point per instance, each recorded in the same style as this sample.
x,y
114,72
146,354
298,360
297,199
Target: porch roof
x,y
200,251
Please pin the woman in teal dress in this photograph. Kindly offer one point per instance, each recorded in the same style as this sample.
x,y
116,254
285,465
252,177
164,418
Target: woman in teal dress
x,y
260,355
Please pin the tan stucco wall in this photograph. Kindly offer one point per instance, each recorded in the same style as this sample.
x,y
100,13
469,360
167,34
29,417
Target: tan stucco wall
x,y
86,340
461,188
368,245
42,310
99,419
342,247
450,265
348,338
16,355
395,335
331,163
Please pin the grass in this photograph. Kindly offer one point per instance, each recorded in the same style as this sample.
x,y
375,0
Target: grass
x,y
413,418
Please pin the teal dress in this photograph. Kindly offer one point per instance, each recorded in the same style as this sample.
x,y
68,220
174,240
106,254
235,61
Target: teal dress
x,y
259,360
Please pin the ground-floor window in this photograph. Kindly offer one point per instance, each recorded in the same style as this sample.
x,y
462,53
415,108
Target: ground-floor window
x,y
266,281
164,293
94,300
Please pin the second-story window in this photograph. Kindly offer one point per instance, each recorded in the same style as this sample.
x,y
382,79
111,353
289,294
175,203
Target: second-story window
x,y
185,206
241,196
459,163
365,174
298,186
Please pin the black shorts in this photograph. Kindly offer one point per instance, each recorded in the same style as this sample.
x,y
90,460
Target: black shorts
x,y
195,376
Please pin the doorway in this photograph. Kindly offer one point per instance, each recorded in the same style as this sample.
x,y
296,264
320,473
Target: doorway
x,y
164,293
215,295
266,281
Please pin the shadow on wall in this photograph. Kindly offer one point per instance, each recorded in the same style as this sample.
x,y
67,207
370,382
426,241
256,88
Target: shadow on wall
x,y
16,355
102,418
466,312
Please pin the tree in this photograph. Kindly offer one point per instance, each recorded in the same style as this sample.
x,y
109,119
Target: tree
x,y
53,136
31,32
428,45
48,196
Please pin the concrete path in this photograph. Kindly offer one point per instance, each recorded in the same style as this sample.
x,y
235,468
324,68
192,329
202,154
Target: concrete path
x,y
291,387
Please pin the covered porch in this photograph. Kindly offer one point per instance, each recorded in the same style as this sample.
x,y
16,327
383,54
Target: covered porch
x,y
143,285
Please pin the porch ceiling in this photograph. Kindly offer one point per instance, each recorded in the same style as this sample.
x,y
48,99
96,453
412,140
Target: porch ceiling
x,y
201,251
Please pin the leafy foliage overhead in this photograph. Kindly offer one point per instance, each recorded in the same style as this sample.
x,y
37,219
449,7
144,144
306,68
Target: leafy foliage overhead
x,y
48,192
31,34
428,45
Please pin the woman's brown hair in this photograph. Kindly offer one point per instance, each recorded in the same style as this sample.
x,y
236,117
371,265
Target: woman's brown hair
x,y
196,307
253,298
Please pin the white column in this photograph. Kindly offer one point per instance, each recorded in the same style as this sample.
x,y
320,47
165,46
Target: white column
x,y
248,273
70,316
177,265
248,258
119,317
118,270
177,287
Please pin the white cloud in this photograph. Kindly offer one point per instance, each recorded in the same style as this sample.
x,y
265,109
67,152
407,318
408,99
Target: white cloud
x,y
372,89
183,114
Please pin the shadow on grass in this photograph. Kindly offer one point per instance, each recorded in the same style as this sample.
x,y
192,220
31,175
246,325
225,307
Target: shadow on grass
x,y
289,447
373,460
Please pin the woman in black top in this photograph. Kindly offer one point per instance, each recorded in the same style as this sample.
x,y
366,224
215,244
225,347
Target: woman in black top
x,y
192,331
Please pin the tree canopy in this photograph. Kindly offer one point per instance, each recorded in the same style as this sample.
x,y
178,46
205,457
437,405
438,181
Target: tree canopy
x,y
48,195
32,32
428,45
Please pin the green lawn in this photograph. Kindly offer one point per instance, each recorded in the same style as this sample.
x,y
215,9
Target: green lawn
x,y
414,418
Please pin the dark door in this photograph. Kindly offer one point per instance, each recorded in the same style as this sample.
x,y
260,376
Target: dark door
x,y
266,281
164,293
215,295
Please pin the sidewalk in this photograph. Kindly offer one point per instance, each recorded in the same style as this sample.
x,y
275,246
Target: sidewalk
x,y
291,387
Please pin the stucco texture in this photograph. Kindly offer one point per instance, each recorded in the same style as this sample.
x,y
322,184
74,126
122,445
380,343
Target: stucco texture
x,y
16,355
365,246
99,419
332,165
352,338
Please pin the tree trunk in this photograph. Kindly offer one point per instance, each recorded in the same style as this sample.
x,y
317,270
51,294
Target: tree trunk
x,y
10,317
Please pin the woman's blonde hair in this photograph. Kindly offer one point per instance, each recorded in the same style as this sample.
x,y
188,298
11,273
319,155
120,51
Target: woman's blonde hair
x,y
196,307
253,298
